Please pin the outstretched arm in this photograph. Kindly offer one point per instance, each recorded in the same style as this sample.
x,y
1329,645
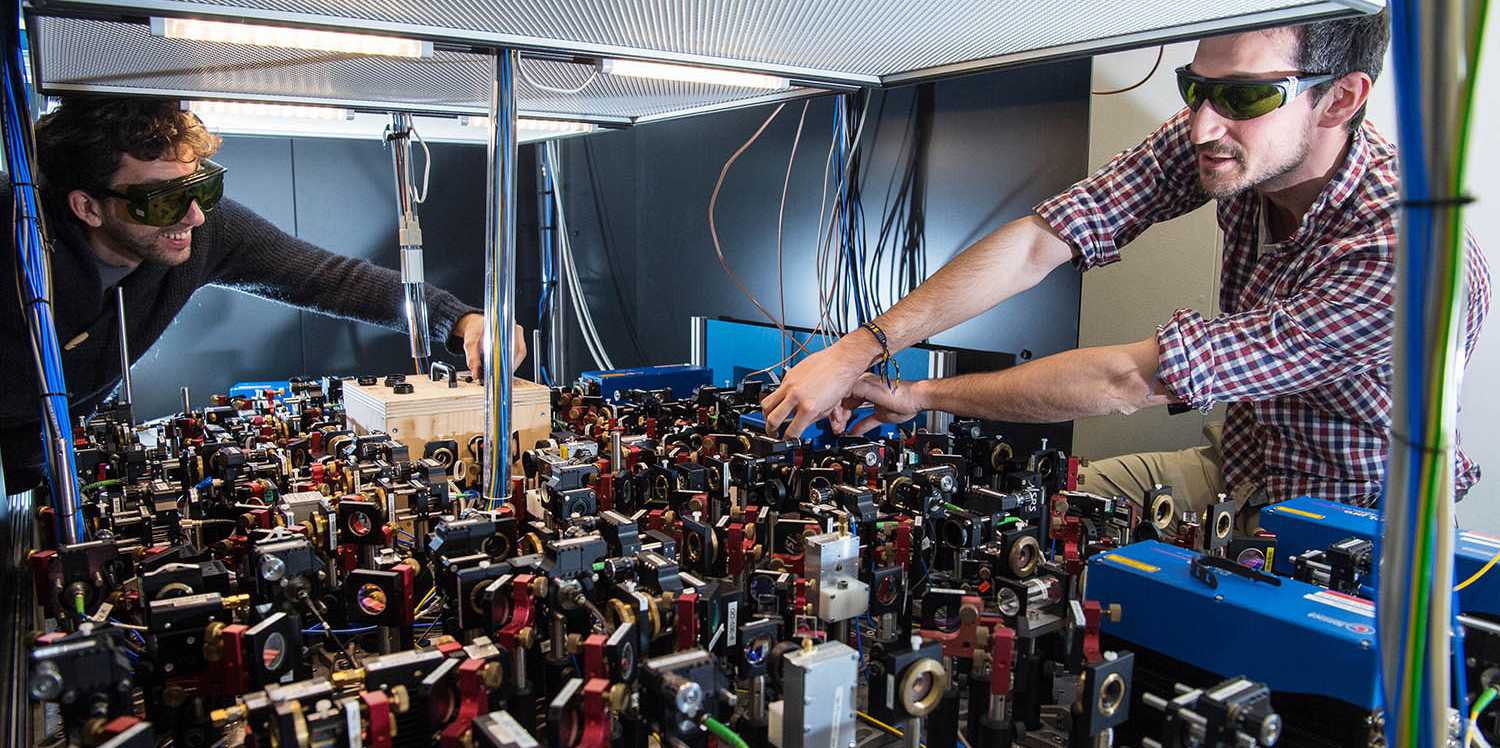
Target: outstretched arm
x,y
1012,259
1115,379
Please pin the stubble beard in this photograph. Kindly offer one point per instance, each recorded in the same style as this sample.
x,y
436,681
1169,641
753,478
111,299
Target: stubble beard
x,y
144,247
1227,186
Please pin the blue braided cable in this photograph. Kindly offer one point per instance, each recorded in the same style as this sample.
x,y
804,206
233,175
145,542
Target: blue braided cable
x,y
34,263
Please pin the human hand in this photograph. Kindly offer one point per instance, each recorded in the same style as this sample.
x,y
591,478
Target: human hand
x,y
471,328
897,404
817,387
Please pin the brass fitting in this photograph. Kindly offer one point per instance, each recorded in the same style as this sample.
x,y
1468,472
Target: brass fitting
x,y
492,675
213,646
227,715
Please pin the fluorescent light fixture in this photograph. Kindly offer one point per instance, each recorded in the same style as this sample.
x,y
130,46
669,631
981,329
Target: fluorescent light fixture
x,y
218,109
690,74
280,36
537,126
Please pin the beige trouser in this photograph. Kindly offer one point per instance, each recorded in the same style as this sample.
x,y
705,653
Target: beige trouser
x,y
1196,476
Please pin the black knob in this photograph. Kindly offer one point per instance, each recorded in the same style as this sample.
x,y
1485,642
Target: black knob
x,y
392,379
366,381
402,388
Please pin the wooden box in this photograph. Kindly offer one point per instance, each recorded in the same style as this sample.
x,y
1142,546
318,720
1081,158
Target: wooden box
x,y
433,410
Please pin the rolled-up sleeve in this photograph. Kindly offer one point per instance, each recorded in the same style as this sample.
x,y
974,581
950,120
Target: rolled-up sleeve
x,y
1339,326
1154,181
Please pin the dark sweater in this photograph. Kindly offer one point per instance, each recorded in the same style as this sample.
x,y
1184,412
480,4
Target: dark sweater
x,y
234,248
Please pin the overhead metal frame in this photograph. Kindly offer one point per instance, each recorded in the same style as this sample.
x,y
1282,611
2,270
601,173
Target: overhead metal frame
x,y
868,42
121,57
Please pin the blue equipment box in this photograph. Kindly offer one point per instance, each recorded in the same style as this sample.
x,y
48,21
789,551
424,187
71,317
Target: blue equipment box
x,y
682,379
1307,524
821,433
1295,637
253,389
736,349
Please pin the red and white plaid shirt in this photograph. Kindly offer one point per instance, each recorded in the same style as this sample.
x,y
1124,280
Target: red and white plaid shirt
x,y
1302,350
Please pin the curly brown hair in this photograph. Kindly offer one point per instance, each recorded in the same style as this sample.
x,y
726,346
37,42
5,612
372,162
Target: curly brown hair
x,y
79,144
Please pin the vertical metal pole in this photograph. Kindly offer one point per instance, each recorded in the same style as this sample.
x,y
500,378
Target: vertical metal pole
x,y
536,355
698,341
557,359
124,346
409,234
499,275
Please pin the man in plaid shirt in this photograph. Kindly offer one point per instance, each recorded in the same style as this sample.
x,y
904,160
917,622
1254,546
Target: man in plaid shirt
x,y
1308,195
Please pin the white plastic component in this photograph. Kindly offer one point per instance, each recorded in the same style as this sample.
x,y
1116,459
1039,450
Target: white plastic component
x,y
832,562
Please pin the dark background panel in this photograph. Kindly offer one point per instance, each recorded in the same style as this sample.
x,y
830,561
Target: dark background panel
x,y
1000,143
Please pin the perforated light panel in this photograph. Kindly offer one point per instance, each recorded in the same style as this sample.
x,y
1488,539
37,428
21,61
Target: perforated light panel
x,y
77,54
861,41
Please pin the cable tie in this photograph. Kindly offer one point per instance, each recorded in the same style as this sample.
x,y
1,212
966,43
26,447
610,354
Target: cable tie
x,y
1439,202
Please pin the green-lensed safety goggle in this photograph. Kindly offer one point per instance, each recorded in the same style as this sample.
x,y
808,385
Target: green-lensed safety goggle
x,y
165,203
1243,99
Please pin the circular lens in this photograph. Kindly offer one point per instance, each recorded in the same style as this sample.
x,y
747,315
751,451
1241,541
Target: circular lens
x,y
626,661
945,617
442,705
1008,601
1222,525
360,524
694,549
1111,694
756,651
371,599
885,592
1251,557
921,686
1161,511
955,534
571,728
273,652
1025,555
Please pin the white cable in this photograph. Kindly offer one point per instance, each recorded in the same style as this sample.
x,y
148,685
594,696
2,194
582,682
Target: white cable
x,y
426,166
580,301
530,81
585,318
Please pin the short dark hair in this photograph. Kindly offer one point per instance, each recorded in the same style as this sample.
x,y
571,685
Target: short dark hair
x,y
1343,46
79,143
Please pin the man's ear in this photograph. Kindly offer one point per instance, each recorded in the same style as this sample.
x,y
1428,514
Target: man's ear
x,y
1347,96
87,208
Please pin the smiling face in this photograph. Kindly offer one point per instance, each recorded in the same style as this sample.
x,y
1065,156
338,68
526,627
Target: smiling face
x,y
112,230
1264,152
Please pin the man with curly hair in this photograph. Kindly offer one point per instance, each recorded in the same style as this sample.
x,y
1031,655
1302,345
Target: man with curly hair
x,y
133,201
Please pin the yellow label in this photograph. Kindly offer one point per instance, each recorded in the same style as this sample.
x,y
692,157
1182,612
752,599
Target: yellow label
x,y
1134,564
1299,512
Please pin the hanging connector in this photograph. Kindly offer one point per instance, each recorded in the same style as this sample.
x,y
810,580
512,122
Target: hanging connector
x,y
409,234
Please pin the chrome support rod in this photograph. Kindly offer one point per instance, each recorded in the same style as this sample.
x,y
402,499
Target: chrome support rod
x,y
500,275
124,347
